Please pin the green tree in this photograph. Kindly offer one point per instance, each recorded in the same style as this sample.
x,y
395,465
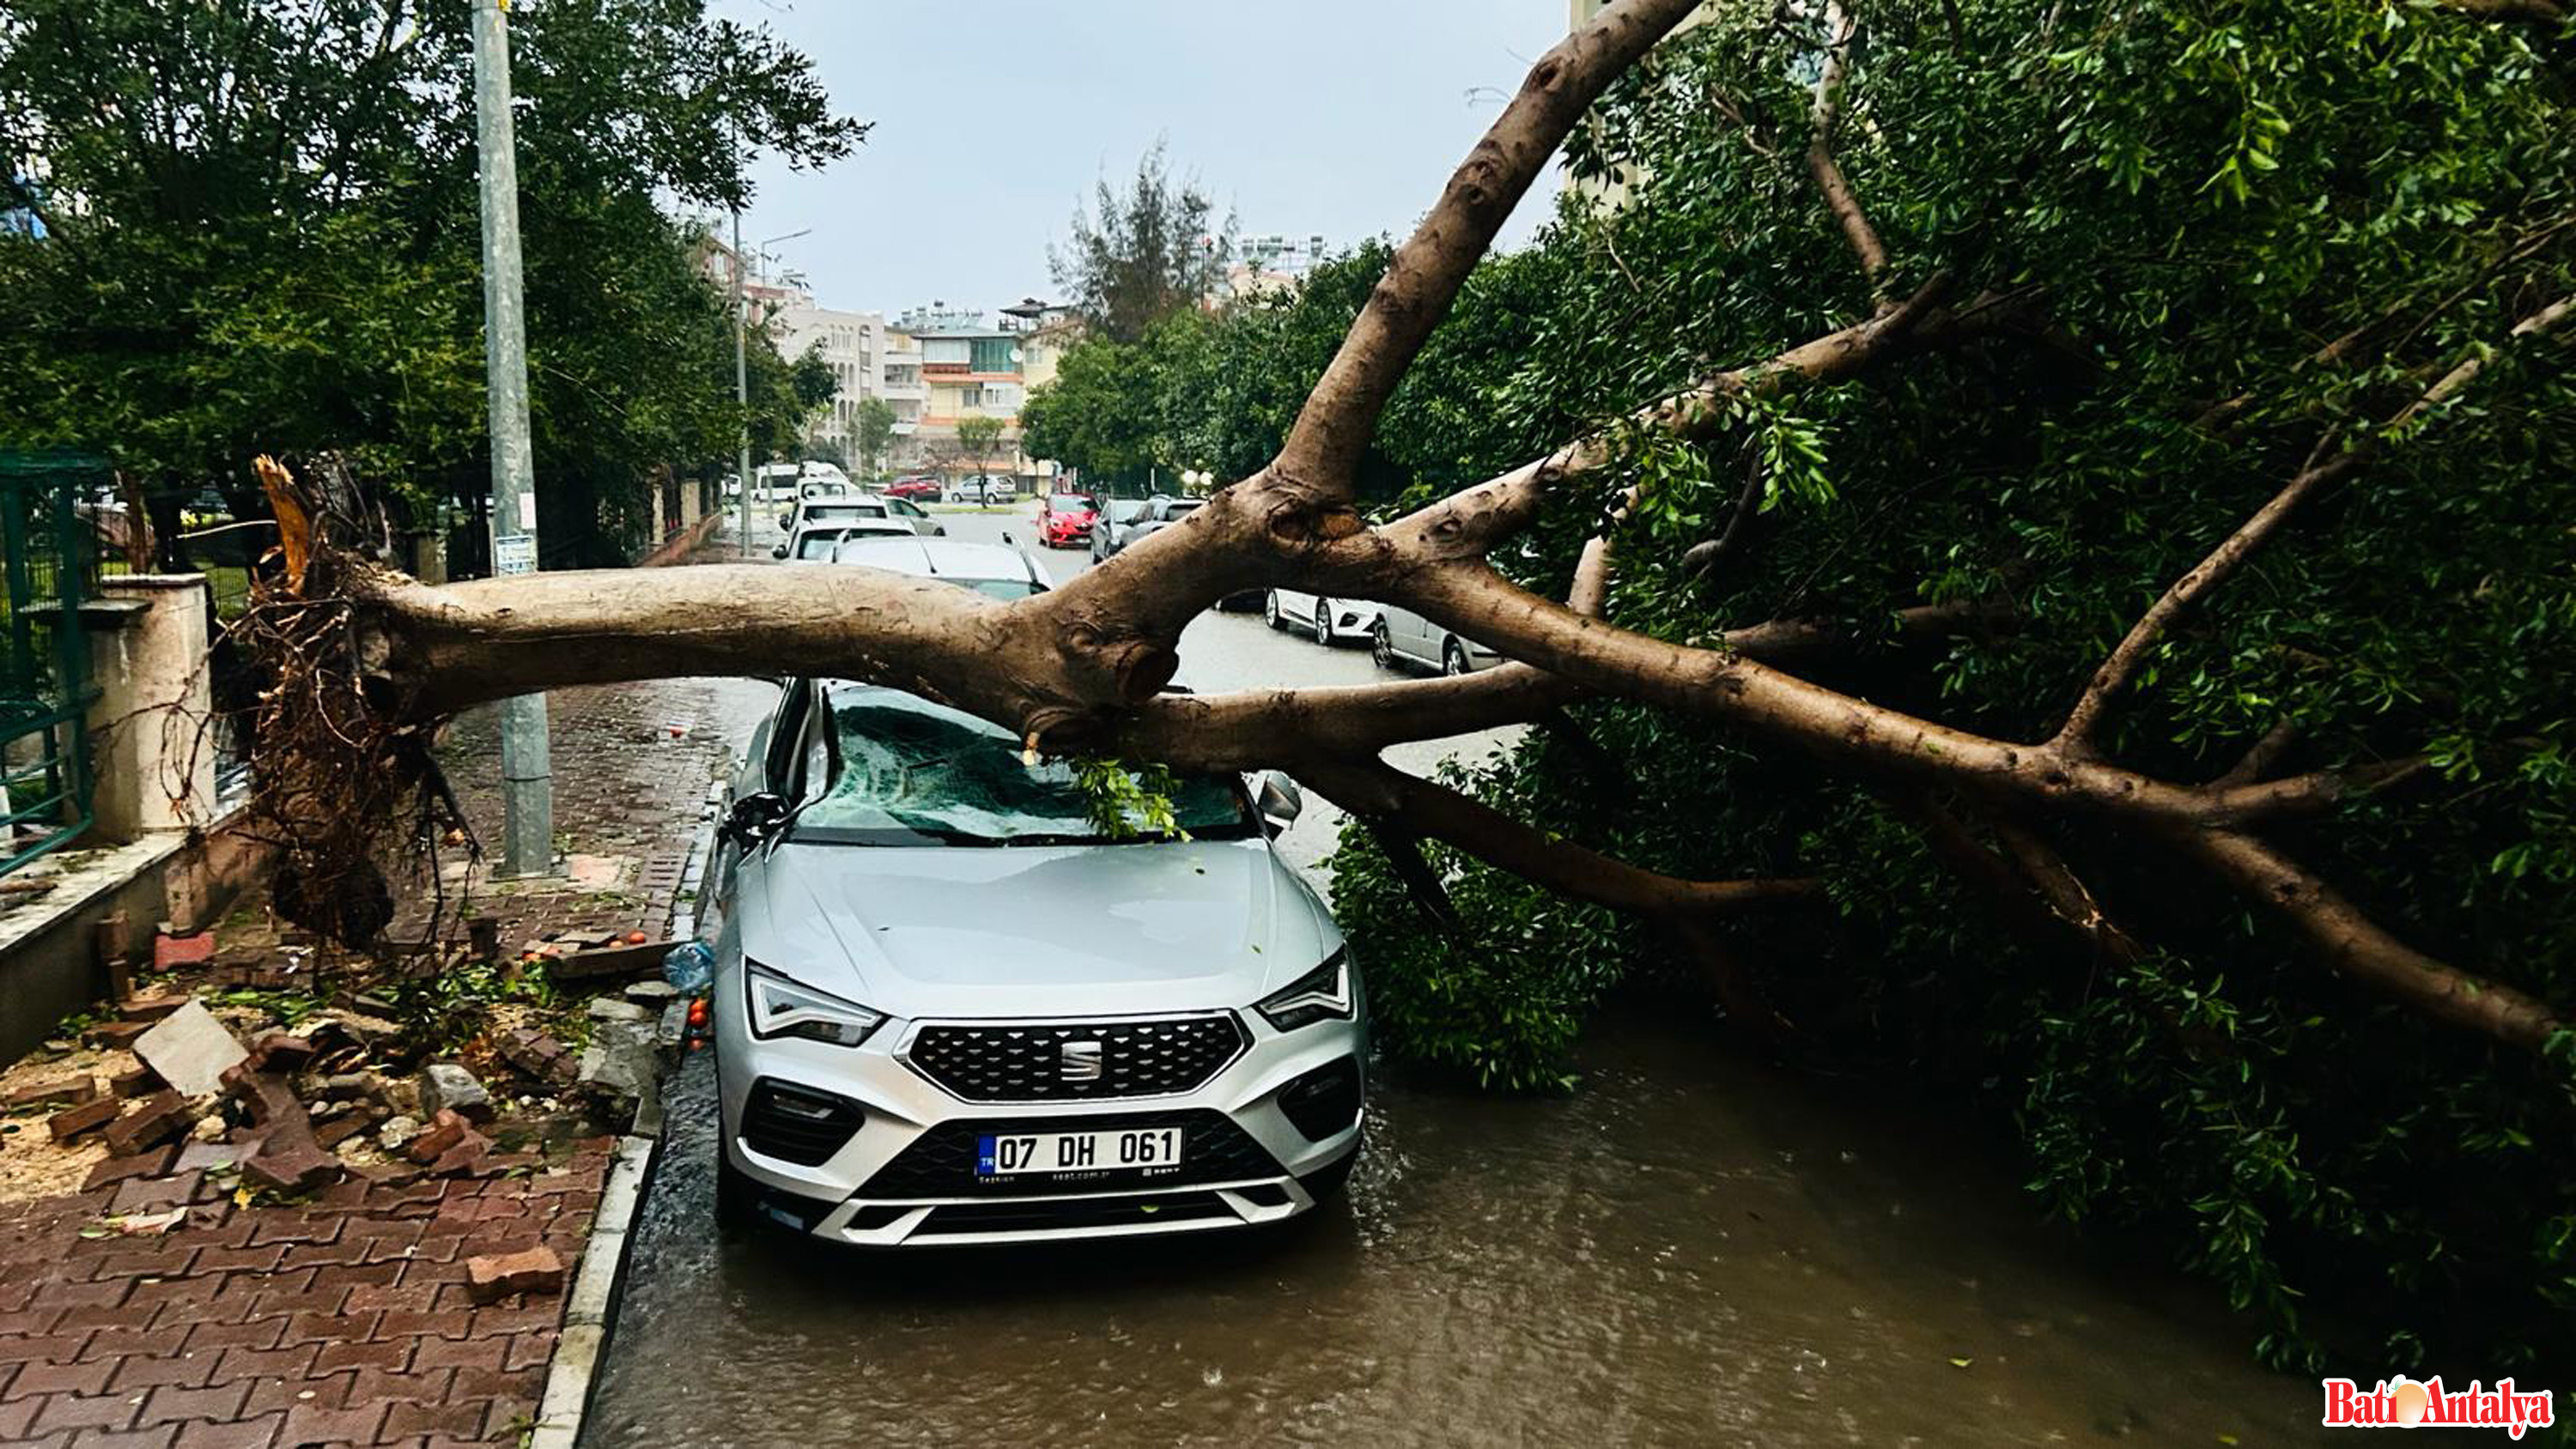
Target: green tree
x,y
977,437
262,235
871,429
1136,257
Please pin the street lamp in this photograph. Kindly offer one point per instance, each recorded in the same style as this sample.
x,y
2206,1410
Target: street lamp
x,y
741,372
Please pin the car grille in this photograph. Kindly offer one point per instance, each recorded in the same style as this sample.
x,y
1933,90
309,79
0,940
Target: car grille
x,y
1028,1063
1062,1214
796,1125
941,1161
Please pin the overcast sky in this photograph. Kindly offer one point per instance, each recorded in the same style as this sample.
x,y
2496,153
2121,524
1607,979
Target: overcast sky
x,y
1338,117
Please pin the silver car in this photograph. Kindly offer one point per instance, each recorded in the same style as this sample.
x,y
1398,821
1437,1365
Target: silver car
x,y
1401,637
949,1009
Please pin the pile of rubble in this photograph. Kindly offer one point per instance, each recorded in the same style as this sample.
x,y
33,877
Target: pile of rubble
x,y
166,1101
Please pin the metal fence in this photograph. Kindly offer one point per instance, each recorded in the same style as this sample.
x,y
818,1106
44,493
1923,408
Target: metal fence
x,y
51,568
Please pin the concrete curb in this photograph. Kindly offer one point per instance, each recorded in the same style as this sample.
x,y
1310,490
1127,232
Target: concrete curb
x,y
592,1308
591,1311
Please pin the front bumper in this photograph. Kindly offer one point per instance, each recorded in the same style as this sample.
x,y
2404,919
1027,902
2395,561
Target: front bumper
x,y
905,1176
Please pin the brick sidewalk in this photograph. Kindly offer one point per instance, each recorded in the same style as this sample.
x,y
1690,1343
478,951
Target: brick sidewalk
x,y
346,1321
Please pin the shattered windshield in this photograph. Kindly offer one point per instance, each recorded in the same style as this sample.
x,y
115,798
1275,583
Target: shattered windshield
x,y
910,772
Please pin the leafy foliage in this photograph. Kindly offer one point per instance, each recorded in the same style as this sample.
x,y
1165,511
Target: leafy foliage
x,y
262,234
2202,196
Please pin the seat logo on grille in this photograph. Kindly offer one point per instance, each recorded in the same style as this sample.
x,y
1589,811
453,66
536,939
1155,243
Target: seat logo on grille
x,y
1081,1062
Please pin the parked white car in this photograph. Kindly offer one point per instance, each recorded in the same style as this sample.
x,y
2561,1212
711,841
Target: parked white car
x,y
1403,637
1331,621
817,542
948,1009
845,507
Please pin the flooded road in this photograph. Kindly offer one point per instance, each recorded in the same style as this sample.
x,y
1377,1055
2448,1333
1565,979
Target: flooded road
x,y
1689,1250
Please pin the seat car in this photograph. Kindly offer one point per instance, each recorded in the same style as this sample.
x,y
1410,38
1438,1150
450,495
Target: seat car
x,y
950,1007
1065,519
1401,636
819,542
1331,621
1116,516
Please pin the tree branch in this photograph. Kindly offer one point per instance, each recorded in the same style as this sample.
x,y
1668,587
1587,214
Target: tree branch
x,y
2084,720
1375,791
1468,522
2359,948
1332,429
1865,245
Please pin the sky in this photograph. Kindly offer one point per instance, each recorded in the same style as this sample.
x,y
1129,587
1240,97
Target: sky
x,y
1334,117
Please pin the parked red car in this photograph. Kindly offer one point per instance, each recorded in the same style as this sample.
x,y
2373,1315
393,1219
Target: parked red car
x,y
914,488
1065,520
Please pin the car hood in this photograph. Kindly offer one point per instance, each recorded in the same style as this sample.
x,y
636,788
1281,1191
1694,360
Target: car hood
x,y
934,931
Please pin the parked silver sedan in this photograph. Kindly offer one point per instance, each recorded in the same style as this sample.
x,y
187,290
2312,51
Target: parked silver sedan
x,y
1403,637
950,1007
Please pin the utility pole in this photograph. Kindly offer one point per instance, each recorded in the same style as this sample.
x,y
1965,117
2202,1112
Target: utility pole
x,y
527,784
741,382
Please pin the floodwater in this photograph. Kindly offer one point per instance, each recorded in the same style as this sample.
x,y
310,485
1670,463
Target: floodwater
x,y
1687,1250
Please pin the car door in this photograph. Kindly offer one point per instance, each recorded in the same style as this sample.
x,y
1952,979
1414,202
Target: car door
x,y
1414,634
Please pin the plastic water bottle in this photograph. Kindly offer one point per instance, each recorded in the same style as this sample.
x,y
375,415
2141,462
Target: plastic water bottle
x,y
689,967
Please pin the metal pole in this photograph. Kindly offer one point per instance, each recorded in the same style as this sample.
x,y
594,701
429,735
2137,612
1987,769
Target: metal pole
x,y
527,785
741,383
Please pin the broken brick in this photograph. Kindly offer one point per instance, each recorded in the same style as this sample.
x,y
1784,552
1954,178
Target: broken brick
x,y
62,1092
443,1133
332,1134
155,1119
491,1279
610,962
117,1035
290,1160
114,1170
171,951
281,1051
152,1006
136,1082
266,1096
83,1119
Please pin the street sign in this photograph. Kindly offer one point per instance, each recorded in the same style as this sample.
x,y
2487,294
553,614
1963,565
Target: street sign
x,y
514,553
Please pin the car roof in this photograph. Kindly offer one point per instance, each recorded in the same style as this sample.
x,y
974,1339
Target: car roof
x,y
940,558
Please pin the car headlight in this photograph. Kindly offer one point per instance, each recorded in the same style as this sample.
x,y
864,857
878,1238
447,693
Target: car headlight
x,y
1323,994
780,1007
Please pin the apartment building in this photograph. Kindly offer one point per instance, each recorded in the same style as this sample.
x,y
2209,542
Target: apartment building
x,y
970,366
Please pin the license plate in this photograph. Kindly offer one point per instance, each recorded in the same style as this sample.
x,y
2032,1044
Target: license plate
x,y
1130,1149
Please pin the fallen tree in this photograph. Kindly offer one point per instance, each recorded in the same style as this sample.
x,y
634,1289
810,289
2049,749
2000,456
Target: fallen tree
x,y
1953,317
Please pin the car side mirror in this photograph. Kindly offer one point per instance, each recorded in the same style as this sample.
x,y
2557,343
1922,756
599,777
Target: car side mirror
x,y
785,518
754,818
778,550
1278,800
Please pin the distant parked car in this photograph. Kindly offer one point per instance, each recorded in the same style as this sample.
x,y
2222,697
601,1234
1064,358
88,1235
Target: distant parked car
x,y
1108,534
1160,513
1331,621
916,488
980,490
1066,519
816,542
857,506
1402,636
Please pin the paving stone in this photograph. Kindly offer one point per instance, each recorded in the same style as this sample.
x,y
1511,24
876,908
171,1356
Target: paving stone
x,y
281,1051
191,1050
170,952
116,1034
156,1119
74,1123
61,1092
153,1006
